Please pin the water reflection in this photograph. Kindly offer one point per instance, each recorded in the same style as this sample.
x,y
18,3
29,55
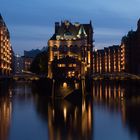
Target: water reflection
x,y
132,115
5,111
108,91
112,108
5,117
66,120
120,98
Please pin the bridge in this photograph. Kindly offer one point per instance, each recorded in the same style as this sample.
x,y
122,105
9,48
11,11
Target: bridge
x,y
25,77
22,77
104,76
115,76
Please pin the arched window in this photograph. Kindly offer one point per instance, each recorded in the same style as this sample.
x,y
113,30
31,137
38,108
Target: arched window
x,y
63,49
60,48
55,48
74,49
66,48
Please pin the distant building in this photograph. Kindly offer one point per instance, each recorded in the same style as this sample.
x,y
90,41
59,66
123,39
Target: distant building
x,y
107,60
13,61
32,53
18,64
71,47
27,61
29,57
5,49
123,58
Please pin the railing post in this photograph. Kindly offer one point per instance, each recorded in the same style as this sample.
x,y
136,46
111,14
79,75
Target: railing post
x,y
53,93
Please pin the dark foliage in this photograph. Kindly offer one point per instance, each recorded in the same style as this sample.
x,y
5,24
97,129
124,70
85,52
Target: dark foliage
x,y
40,63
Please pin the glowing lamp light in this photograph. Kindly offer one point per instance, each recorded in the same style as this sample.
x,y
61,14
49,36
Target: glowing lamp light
x,y
65,85
10,94
65,113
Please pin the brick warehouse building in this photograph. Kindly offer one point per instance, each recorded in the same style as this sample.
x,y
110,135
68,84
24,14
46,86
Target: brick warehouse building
x,y
120,58
71,50
5,49
107,60
130,49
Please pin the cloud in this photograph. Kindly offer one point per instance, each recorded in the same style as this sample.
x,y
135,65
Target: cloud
x,y
31,22
29,37
109,32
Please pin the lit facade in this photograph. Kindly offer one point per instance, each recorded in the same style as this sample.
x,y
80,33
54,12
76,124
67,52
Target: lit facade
x,y
130,51
71,45
18,64
123,58
5,49
107,60
27,61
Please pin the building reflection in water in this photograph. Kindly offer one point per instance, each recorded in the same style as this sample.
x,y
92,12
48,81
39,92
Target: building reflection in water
x,y
5,117
67,120
108,91
5,112
22,92
122,98
72,119
8,92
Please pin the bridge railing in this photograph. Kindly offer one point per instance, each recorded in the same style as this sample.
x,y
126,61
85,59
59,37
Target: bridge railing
x,y
115,76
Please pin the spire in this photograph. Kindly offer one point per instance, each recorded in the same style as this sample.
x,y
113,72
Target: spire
x,y
90,22
91,25
138,25
1,17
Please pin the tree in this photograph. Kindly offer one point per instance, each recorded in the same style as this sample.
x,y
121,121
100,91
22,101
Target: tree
x,y
40,63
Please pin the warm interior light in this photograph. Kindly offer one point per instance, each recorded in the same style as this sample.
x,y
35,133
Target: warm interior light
x,y
65,113
65,85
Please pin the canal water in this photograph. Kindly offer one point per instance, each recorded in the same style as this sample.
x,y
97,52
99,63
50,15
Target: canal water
x,y
109,111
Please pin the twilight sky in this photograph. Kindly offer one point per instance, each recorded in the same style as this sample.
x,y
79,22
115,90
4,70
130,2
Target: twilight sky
x,y
31,22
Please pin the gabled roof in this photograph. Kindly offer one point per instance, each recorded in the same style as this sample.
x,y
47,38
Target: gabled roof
x,y
68,30
82,31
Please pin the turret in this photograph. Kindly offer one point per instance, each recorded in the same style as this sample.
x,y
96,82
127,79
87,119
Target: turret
x,y
56,27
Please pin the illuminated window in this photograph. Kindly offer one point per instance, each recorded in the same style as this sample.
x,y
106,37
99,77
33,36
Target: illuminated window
x,y
61,65
74,65
70,65
55,53
71,74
